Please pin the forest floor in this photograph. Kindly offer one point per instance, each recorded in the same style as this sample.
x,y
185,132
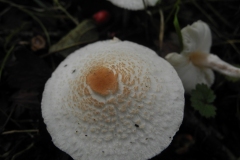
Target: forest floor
x,y
30,51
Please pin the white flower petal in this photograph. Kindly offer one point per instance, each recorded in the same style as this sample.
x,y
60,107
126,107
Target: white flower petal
x,y
217,64
190,74
196,37
176,59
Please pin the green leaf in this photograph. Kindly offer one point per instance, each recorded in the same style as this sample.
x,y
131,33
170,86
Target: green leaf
x,y
158,2
201,99
85,32
176,24
232,79
208,111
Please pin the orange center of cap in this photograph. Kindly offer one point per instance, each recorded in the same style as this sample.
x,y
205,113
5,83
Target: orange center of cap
x,y
102,80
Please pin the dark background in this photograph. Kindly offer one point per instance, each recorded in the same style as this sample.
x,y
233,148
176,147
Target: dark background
x,y
25,67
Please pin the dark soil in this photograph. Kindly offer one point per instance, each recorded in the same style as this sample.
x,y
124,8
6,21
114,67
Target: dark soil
x,y
26,67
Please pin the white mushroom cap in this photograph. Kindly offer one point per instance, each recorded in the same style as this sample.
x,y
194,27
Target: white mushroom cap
x,y
113,100
134,4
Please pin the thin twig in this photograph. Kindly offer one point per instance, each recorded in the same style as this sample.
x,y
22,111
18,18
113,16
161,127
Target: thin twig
x,y
40,23
5,11
21,131
233,41
22,151
31,15
5,60
66,12
234,47
8,118
218,15
176,4
5,154
204,12
161,30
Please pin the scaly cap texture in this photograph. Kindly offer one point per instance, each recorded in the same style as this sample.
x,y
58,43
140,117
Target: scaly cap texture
x,y
113,100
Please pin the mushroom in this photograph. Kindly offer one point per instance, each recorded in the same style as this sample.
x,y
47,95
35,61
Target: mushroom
x,y
134,4
113,100
195,63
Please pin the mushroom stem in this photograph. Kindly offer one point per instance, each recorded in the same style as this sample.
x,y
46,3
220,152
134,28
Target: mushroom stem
x,y
214,62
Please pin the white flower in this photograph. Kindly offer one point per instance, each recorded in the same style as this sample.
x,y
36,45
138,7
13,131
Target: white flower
x,y
195,63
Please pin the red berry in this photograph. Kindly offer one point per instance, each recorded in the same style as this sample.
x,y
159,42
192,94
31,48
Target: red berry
x,y
101,17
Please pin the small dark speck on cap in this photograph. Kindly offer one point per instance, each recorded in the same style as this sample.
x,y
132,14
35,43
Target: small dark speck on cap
x,y
136,125
74,71
65,65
